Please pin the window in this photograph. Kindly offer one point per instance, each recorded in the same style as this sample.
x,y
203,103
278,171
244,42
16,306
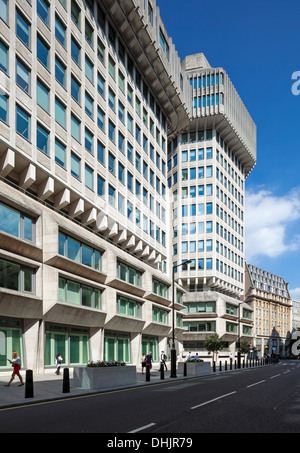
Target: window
x,y
75,89
42,95
164,44
60,72
129,307
111,163
42,52
111,99
75,166
100,118
43,11
159,315
60,153
89,141
89,32
75,51
111,195
4,12
129,274
79,252
60,31
23,122
16,277
100,50
23,29
89,70
22,76
16,223
89,177
111,67
101,85
100,186
3,107
101,153
111,131
75,13
75,128
3,57
159,288
89,105
60,113
42,139
79,294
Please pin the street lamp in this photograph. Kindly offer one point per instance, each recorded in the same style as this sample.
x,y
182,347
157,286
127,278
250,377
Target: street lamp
x,y
173,350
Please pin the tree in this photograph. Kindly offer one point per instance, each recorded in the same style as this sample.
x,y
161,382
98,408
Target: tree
x,y
245,347
213,344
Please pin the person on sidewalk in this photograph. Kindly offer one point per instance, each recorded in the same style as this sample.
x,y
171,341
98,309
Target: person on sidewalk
x,y
143,362
163,359
16,363
149,360
58,362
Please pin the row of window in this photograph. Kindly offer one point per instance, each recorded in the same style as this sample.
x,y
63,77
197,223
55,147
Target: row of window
x,y
207,101
210,326
206,80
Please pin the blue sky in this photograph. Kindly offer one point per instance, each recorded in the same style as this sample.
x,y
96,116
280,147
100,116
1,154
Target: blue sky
x,y
258,44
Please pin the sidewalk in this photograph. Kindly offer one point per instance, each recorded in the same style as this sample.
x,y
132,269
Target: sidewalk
x,y
49,387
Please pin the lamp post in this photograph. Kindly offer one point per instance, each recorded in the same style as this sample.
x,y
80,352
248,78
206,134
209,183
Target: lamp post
x,y
173,350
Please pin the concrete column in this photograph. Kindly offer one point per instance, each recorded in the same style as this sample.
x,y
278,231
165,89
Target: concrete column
x,y
32,345
96,343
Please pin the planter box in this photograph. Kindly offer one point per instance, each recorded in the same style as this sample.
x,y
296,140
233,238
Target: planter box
x,y
104,377
195,369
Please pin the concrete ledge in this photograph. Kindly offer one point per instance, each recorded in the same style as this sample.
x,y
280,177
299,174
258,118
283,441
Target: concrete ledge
x,y
195,368
104,377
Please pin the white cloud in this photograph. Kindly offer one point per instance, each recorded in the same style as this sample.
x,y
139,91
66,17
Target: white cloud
x,y
295,293
267,218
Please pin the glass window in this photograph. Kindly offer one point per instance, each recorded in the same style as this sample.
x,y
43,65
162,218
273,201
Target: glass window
x,y
23,122
3,107
22,76
43,52
42,139
75,128
60,153
16,277
4,16
75,51
111,195
23,29
89,105
89,32
60,113
75,166
75,13
43,11
100,186
111,131
89,70
89,177
15,223
100,118
3,56
89,141
111,67
101,153
60,31
42,95
60,72
75,90
101,85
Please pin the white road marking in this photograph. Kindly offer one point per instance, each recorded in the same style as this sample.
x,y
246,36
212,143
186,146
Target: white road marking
x,y
256,383
141,428
276,375
211,401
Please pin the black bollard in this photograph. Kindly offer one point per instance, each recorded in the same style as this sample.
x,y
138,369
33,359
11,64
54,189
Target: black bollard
x,y
162,371
225,365
220,366
66,381
29,384
231,364
184,369
147,373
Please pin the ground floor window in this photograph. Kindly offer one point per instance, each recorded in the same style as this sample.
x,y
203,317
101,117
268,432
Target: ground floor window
x,y
117,346
71,342
150,343
11,339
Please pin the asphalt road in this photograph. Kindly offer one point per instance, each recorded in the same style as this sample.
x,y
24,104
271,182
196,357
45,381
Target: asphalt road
x,y
257,400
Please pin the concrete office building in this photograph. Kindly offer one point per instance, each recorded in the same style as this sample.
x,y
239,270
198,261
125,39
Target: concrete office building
x,y
90,95
269,296
208,164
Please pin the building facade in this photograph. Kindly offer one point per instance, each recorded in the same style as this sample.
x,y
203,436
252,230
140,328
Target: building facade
x,y
94,104
208,164
269,296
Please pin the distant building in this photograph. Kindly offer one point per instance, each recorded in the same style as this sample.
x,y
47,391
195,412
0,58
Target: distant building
x,y
295,315
270,299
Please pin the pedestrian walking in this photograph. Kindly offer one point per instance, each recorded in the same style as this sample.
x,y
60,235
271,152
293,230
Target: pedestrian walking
x,y
58,362
163,359
149,360
143,362
16,364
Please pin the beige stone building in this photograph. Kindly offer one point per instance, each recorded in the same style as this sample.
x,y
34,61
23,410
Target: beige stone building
x,y
94,106
268,295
